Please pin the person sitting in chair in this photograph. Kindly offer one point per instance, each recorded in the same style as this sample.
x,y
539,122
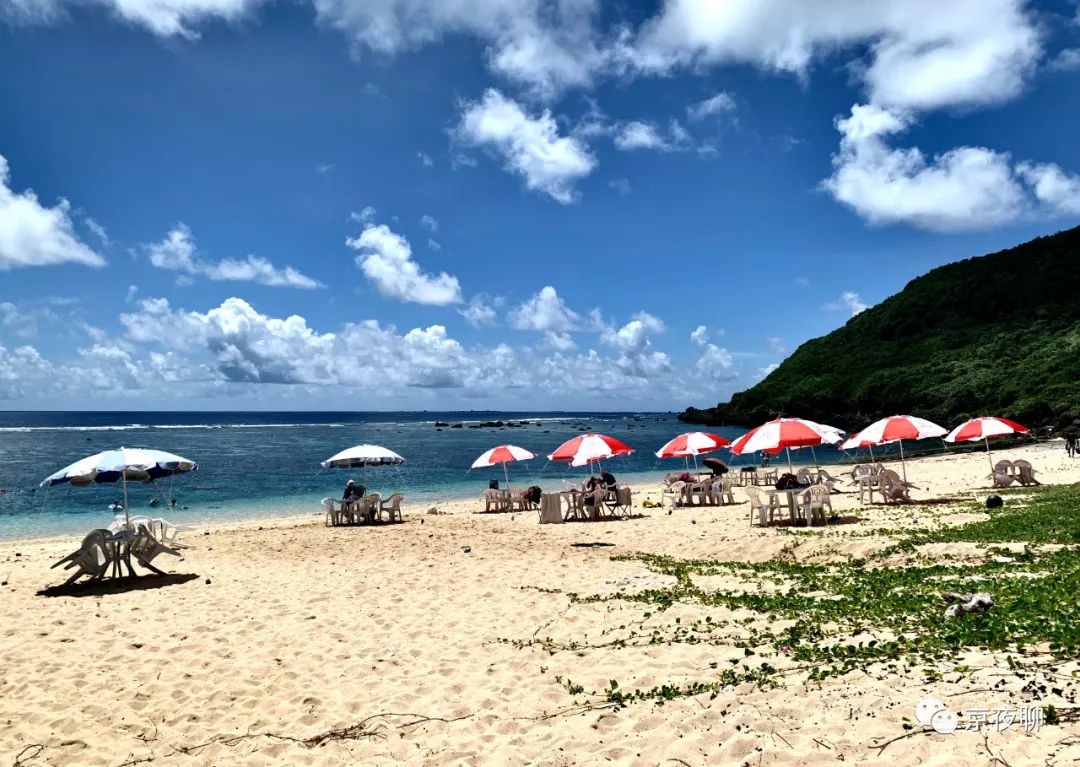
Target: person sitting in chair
x,y
353,492
609,480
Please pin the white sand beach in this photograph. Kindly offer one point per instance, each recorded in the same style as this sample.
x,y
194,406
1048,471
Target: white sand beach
x,y
292,633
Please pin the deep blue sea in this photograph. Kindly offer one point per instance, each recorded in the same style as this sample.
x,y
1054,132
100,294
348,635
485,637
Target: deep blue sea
x,y
254,465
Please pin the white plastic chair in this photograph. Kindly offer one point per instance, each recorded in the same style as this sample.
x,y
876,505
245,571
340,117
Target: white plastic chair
x,y
392,507
766,513
93,558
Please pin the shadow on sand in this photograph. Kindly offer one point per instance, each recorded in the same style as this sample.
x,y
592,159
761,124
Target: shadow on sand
x,y
117,585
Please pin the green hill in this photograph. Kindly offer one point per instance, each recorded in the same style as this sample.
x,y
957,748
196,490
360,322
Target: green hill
x,y
994,335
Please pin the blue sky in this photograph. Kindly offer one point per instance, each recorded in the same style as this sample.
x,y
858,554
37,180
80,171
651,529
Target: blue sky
x,y
398,204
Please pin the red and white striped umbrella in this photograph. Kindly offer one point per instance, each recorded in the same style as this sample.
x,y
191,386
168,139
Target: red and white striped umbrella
x,y
786,433
983,428
897,428
586,448
503,454
692,443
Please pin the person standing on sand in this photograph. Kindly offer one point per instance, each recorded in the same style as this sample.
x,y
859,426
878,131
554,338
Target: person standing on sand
x,y
1070,445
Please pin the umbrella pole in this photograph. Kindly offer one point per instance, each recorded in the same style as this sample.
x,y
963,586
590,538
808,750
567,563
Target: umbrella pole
x,y
814,453
123,476
988,456
872,459
903,463
695,462
790,467
506,475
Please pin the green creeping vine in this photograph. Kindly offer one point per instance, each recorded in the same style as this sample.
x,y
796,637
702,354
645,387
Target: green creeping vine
x,y
827,619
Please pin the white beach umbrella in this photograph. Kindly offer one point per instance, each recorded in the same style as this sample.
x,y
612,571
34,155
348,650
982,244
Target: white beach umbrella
x,y
503,454
363,456
122,465
897,428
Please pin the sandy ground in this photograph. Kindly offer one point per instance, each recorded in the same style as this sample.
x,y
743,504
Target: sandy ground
x,y
289,629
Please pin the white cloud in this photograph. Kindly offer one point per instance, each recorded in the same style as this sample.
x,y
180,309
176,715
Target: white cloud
x,y
777,345
386,259
1054,188
254,348
723,103
480,311
700,335
34,235
425,159
365,216
765,371
558,342
177,252
545,311
637,134
920,55
324,168
1067,60
716,363
964,188
545,46
98,231
529,146
430,223
633,342
433,244
850,301
621,185
165,18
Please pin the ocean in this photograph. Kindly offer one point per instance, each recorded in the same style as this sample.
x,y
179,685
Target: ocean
x,y
255,465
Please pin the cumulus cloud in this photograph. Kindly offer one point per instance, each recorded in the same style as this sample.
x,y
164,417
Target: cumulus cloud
x,y
633,342
544,46
386,259
850,301
700,335
165,18
716,363
177,253
430,223
964,188
32,234
251,347
529,146
979,52
481,311
559,342
546,311
638,134
621,185
723,103
1057,190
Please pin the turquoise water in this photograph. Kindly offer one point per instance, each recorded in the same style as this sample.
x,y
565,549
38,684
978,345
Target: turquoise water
x,y
254,465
